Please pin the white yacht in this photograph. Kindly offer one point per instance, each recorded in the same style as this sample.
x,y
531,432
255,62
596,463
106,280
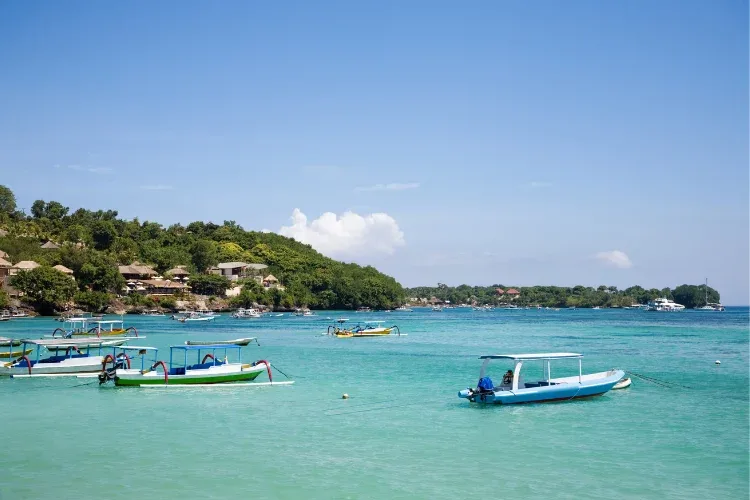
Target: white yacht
x,y
664,304
243,313
710,306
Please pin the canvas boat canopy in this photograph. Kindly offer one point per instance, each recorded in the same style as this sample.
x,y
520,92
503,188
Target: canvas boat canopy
x,y
549,355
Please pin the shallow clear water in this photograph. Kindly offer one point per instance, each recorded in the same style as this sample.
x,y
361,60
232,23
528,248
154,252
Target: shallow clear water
x,y
403,433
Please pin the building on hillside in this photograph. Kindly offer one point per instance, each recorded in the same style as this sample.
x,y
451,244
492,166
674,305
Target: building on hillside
x,y
5,267
512,293
50,245
236,270
499,292
64,270
136,271
178,273
24,265
159,287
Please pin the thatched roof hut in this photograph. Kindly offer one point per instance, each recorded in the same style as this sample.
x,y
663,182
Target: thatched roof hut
x,y
5,263
135,270
26,265
50,245
63,269
270,279
178,271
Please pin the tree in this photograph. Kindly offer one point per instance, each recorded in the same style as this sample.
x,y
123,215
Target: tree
x,y
209,284
44,287
7,201
104,234
92,301
55,210
37,209
203,255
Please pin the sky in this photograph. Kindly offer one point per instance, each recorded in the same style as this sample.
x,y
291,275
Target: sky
x,y
513,143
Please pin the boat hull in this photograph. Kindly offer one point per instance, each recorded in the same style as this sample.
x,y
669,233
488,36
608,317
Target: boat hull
x,y
215,375
15,354
76,364
561,390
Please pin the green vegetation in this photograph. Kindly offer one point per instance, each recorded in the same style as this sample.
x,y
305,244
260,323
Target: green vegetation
x,y
45,288
94,242
555,296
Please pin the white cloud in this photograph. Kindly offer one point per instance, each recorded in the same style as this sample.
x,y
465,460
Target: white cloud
x,y
615,258
395,186
84,168
347,236
540,184
157,187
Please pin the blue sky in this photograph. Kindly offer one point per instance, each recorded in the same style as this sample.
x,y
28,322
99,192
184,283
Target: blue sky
x,y
556,143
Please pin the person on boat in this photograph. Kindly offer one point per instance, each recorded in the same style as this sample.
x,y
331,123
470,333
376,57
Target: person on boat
x,y
508,377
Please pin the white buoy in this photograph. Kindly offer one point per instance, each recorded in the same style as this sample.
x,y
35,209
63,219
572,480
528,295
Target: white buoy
x,y
717,362
345,396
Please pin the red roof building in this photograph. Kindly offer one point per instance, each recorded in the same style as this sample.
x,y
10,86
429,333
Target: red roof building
x,y
499,291
513,291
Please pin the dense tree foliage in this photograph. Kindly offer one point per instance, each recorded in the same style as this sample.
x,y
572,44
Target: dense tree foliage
x,y
7,203
695,296
209,284
94,242
555,296
45,288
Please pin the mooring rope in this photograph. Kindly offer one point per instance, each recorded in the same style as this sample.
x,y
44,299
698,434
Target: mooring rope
x,y
653,380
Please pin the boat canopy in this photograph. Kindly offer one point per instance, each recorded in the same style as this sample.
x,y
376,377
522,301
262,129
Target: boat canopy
x,y
81,342
549,355
205,347
136,348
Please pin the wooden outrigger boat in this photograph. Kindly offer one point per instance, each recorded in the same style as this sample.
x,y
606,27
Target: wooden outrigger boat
x,y
210,369
77,327
368,330
514,389
241,342
67,357
11,354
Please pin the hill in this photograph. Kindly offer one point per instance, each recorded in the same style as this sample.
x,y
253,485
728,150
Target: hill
x,y
93,243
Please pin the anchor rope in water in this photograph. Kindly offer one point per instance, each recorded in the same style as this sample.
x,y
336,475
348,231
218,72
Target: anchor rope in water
x,y
375,409
279,370
653,380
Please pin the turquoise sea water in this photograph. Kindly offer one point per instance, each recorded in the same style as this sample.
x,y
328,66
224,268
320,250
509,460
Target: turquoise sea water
x,y
403,433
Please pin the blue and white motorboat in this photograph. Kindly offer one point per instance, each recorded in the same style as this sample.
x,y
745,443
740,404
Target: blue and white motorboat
x,y
513,389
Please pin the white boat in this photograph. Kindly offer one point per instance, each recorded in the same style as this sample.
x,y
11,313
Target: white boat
x,y
710,306
194,316
66,357
243,313
622,384
308,313
513,389
152,312
437,309
664,304
404,309
240,342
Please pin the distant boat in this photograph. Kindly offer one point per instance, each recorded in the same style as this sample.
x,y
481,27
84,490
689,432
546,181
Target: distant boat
x,y
243,313
710,306
665,305
404,309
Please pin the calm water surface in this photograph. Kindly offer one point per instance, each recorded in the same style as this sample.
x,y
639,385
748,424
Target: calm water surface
x,y
403,433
